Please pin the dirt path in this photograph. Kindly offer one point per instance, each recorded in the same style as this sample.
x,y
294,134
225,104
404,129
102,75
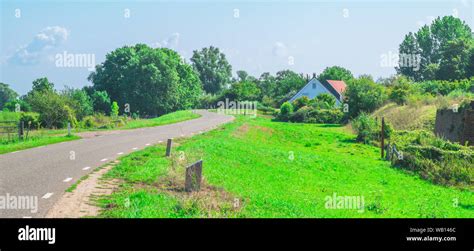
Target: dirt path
x,y
81,201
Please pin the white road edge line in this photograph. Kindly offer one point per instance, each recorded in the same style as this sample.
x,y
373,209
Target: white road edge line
x,y
120,153
147,144
135,148
103,160
47,196
67,179
86,168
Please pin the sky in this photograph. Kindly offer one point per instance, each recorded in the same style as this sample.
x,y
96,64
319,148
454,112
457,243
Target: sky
x,y
63,40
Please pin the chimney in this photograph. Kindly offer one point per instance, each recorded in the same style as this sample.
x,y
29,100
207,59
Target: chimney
x,y
314,75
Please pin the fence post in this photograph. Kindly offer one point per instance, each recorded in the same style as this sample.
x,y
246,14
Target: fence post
x,y
21,129
382,143
168,147
68,129
193,177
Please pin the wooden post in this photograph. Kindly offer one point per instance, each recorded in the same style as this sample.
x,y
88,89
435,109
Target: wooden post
x,y
382,133
21,130
168,147
193,177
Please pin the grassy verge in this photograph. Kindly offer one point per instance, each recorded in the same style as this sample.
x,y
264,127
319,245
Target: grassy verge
x,y
170,118
259,168
45,137
33,142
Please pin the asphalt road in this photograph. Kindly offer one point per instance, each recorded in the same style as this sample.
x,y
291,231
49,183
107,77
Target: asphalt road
x,y
47,171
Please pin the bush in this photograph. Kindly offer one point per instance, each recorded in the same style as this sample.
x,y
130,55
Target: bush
x,y
324,101
317,116
30,119
301,115
366,128
434,159
286,110
88,122
364,95
300,102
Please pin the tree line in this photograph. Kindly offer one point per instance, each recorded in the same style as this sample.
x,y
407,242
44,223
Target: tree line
x,y
147,82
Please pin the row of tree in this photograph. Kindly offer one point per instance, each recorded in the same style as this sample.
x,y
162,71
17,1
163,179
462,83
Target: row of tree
x,y
155,81
443,50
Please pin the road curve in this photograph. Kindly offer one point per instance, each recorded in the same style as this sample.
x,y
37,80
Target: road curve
x,y
47,171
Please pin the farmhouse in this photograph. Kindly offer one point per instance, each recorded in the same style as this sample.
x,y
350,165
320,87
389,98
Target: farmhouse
x,y
315,87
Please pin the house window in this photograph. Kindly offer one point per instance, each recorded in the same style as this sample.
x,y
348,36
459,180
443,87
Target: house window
x,y
314,85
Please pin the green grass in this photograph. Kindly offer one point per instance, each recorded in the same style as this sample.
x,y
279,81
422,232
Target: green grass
x,y
6,147
280,170
74,186
45,137
170,118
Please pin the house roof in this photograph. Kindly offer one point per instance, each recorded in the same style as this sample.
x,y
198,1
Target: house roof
x,y
338,85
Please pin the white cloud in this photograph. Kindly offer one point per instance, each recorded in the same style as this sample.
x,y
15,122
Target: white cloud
x,y
280,49
47,39
170,42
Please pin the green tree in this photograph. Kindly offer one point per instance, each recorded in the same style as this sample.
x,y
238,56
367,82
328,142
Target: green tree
x,y
153,81
79,101
454,61
42,85
52,107
363,95
214,70
114,110
242,75
400,90
243,91
335,73
409,53
267,84
6,95
439,47
101,101
288,81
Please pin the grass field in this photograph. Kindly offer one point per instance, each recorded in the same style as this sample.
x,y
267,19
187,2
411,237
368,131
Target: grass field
x,y
259,168
45,137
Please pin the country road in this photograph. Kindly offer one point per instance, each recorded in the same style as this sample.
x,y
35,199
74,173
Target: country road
x,y
46,172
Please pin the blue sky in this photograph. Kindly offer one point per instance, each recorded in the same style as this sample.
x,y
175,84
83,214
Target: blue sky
x,y
262,36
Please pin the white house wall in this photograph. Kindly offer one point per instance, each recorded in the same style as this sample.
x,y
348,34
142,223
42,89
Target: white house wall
x,y
311,93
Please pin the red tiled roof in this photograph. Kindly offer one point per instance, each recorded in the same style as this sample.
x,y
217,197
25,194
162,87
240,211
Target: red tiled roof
x,y
338,85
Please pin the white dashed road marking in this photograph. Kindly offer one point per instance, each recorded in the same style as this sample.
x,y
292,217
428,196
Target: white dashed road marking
x,y
103,160
147,144
47,196
135,148
86,168
120,153
67,179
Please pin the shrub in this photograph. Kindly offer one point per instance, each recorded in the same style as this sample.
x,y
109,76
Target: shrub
x,y
363,95
88,122
114,110
286,110
324,101
30,119
434,159
365,127
301,115
300,102
308,114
